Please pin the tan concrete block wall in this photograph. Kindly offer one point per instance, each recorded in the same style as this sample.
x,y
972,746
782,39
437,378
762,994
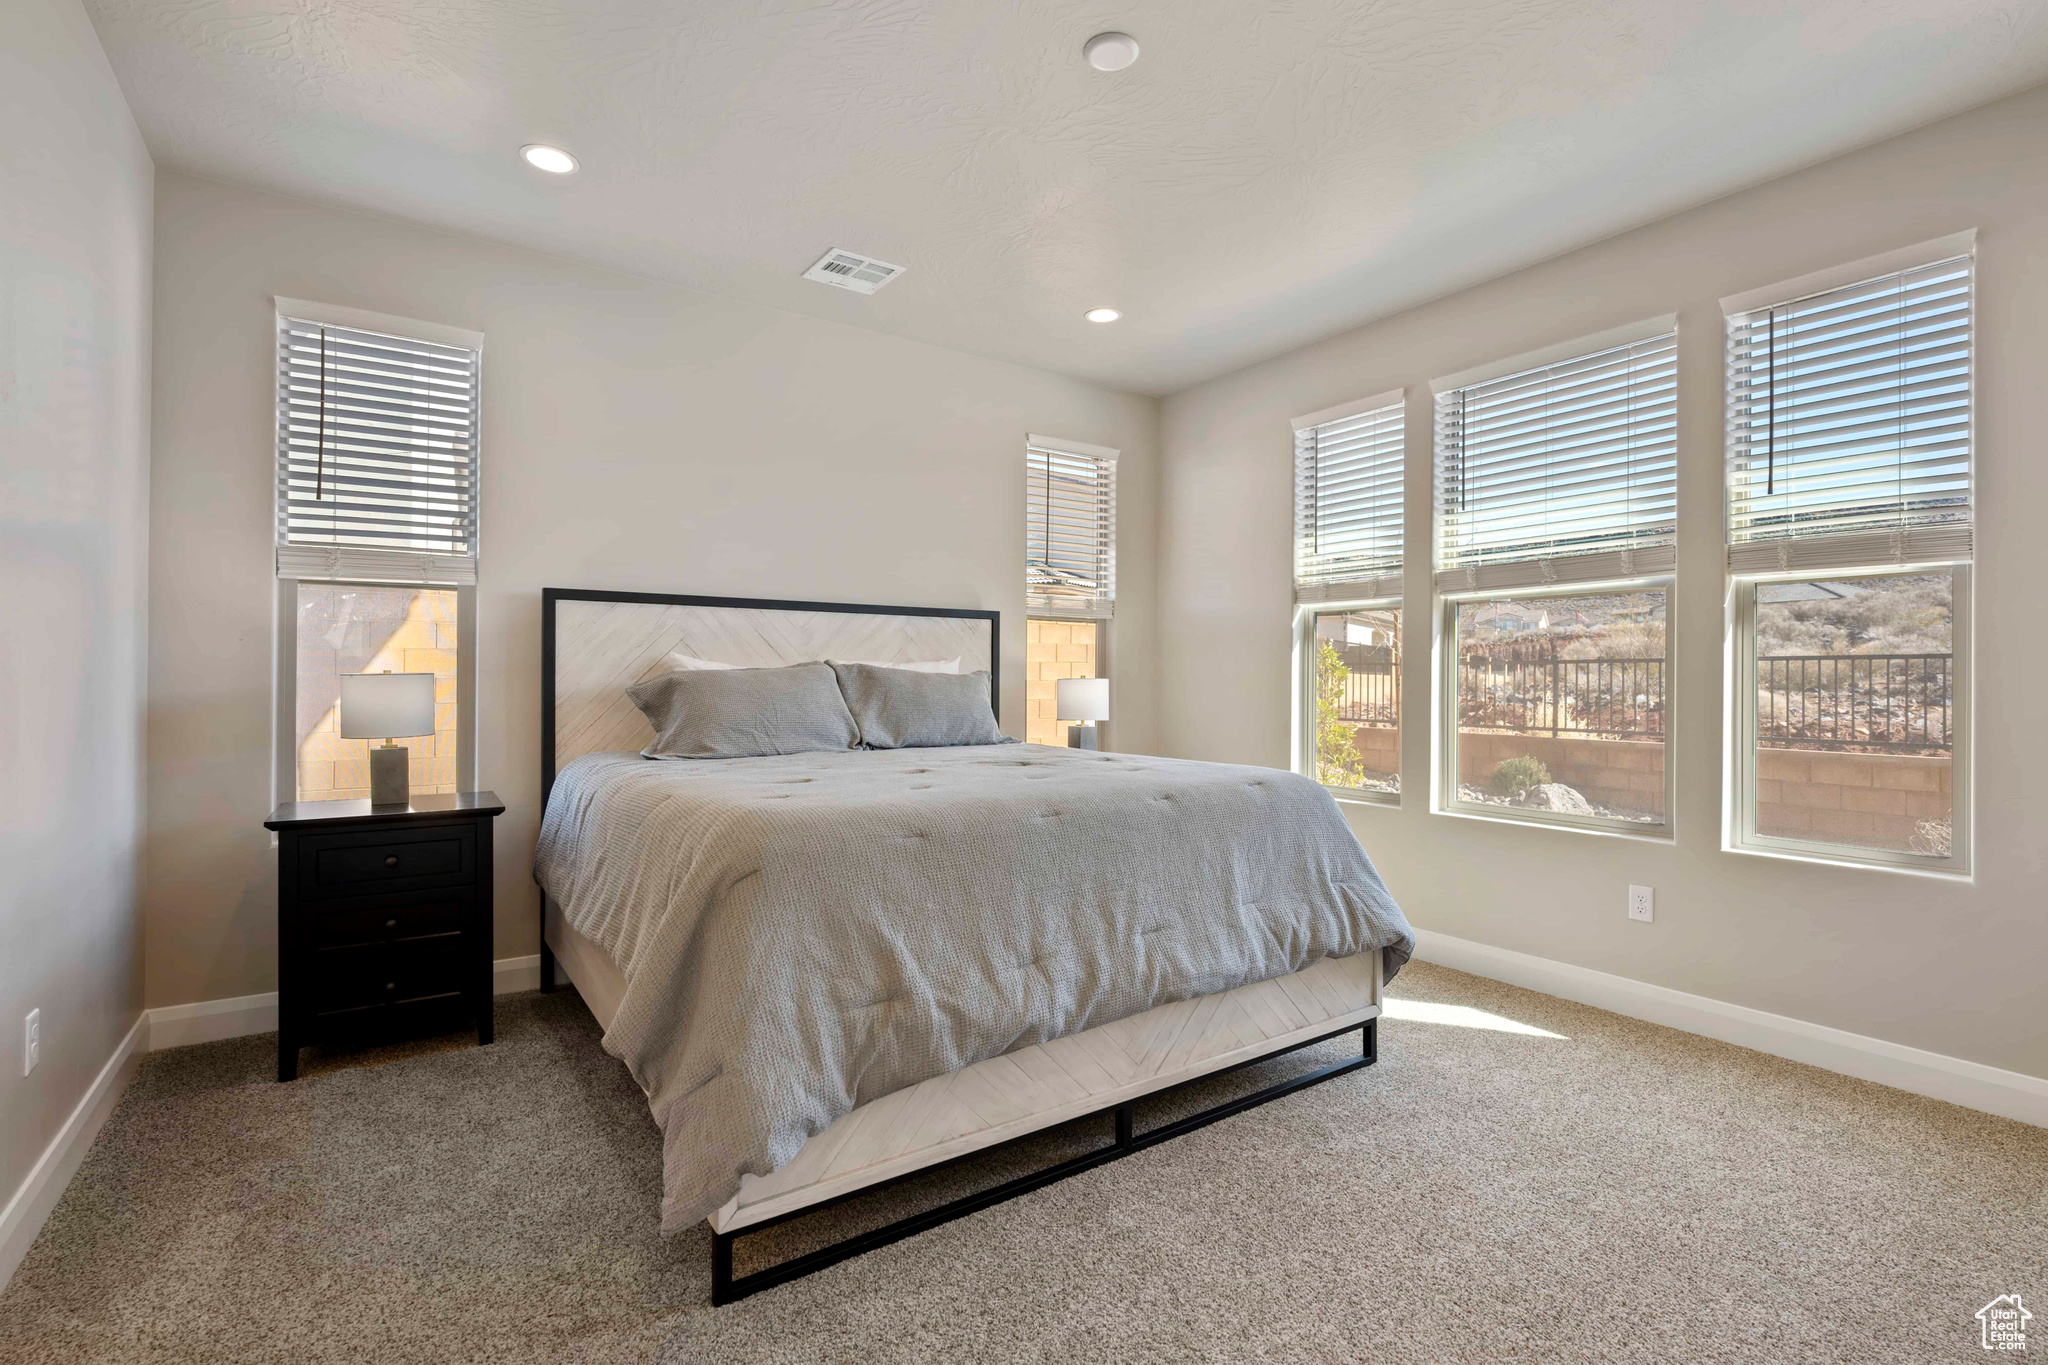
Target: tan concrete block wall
x,y
1053,650
335,769
1378,748
1624,774
1870,800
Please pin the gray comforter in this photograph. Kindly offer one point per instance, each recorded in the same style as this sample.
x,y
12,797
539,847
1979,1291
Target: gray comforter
x,y
802,934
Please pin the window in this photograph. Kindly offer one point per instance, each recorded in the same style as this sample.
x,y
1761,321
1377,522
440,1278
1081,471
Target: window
x,y
376,537
1854,714
1566,472
364,628
1069,573
1850,532
1560,707
1354,738
1054,650
1556,490
1849,425
1348,539
1069,529
1347,502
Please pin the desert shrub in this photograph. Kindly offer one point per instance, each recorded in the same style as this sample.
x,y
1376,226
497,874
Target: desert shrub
x,y
1517,775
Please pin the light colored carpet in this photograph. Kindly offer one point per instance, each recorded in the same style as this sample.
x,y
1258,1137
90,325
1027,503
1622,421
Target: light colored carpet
x,y
1618,1192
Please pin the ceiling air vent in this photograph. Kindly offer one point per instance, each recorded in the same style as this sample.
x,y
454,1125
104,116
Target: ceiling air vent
x,y
861,274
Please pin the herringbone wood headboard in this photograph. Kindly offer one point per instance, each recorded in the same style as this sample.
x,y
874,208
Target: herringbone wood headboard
x,y
594,645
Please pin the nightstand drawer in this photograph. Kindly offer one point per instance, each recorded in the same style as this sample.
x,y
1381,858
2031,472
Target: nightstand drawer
x,y
390,973
391,919
333,865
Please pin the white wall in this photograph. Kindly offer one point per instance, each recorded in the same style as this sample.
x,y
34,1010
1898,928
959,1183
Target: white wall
x,y
74,330
635,436
1955,968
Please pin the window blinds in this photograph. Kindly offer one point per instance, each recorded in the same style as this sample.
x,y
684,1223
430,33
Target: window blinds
x,y
1070,529
1565,473
1849,425
1347,503
376,456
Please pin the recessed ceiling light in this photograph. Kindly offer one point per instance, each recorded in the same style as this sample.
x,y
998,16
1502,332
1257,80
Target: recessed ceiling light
x,y
542,157
1102,315
1110,51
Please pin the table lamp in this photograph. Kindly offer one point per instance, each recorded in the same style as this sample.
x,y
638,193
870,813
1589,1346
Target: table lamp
x,y
1085,700
388,706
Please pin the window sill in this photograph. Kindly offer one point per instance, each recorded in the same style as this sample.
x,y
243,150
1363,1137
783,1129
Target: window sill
x,y
1849,862
1647,834
1345,796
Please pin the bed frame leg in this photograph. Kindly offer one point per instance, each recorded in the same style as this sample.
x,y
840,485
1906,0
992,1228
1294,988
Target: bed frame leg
x,y
1371,1040
547,967
721,1268
1123,1126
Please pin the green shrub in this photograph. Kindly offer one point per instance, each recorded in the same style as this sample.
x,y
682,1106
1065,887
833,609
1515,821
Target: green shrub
x,y
1337,760
1517,775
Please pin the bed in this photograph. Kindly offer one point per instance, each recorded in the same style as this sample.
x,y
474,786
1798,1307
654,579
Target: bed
x,y
831,971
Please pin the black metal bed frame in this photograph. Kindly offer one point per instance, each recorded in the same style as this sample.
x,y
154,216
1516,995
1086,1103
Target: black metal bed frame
x,y
724,1288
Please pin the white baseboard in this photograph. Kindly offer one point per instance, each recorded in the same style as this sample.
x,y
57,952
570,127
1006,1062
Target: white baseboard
x,y
209,1021
26,1212
2009,1094
523,973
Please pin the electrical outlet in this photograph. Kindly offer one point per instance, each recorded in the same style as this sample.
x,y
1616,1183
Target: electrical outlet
x,y
1642,903
31,1041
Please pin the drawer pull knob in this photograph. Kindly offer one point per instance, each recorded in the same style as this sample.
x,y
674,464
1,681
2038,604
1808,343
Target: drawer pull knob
x,y
390,924
391,985
391,861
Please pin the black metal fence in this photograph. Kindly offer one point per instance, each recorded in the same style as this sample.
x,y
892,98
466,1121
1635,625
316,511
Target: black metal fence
x,y
1371,688
1547,695
1877,702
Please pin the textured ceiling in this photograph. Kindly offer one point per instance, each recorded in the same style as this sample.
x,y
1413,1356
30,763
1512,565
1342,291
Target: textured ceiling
x,y
1267,173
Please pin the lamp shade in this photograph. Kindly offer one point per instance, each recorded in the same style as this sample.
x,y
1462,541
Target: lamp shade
x,y
386,705
1082,698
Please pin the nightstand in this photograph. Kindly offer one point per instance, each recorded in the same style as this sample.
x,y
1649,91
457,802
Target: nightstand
x,y
383,919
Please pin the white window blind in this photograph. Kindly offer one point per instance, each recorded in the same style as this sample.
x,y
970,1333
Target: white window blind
x,y
1347,503
1563,473
1070,529
376,456
1849,425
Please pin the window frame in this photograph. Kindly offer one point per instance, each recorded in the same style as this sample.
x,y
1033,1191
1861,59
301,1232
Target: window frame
x,y
1912,550
1445,778
284,777
407,567
1740,833
1303,737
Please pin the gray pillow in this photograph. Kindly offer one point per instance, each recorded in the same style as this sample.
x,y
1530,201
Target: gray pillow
x,y
744,712
898,709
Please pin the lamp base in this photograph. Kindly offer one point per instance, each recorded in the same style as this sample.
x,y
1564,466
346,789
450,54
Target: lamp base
x,y
1083,737
390,775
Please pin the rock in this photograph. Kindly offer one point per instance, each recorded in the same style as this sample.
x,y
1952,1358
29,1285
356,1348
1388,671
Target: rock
x,y
1555,796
